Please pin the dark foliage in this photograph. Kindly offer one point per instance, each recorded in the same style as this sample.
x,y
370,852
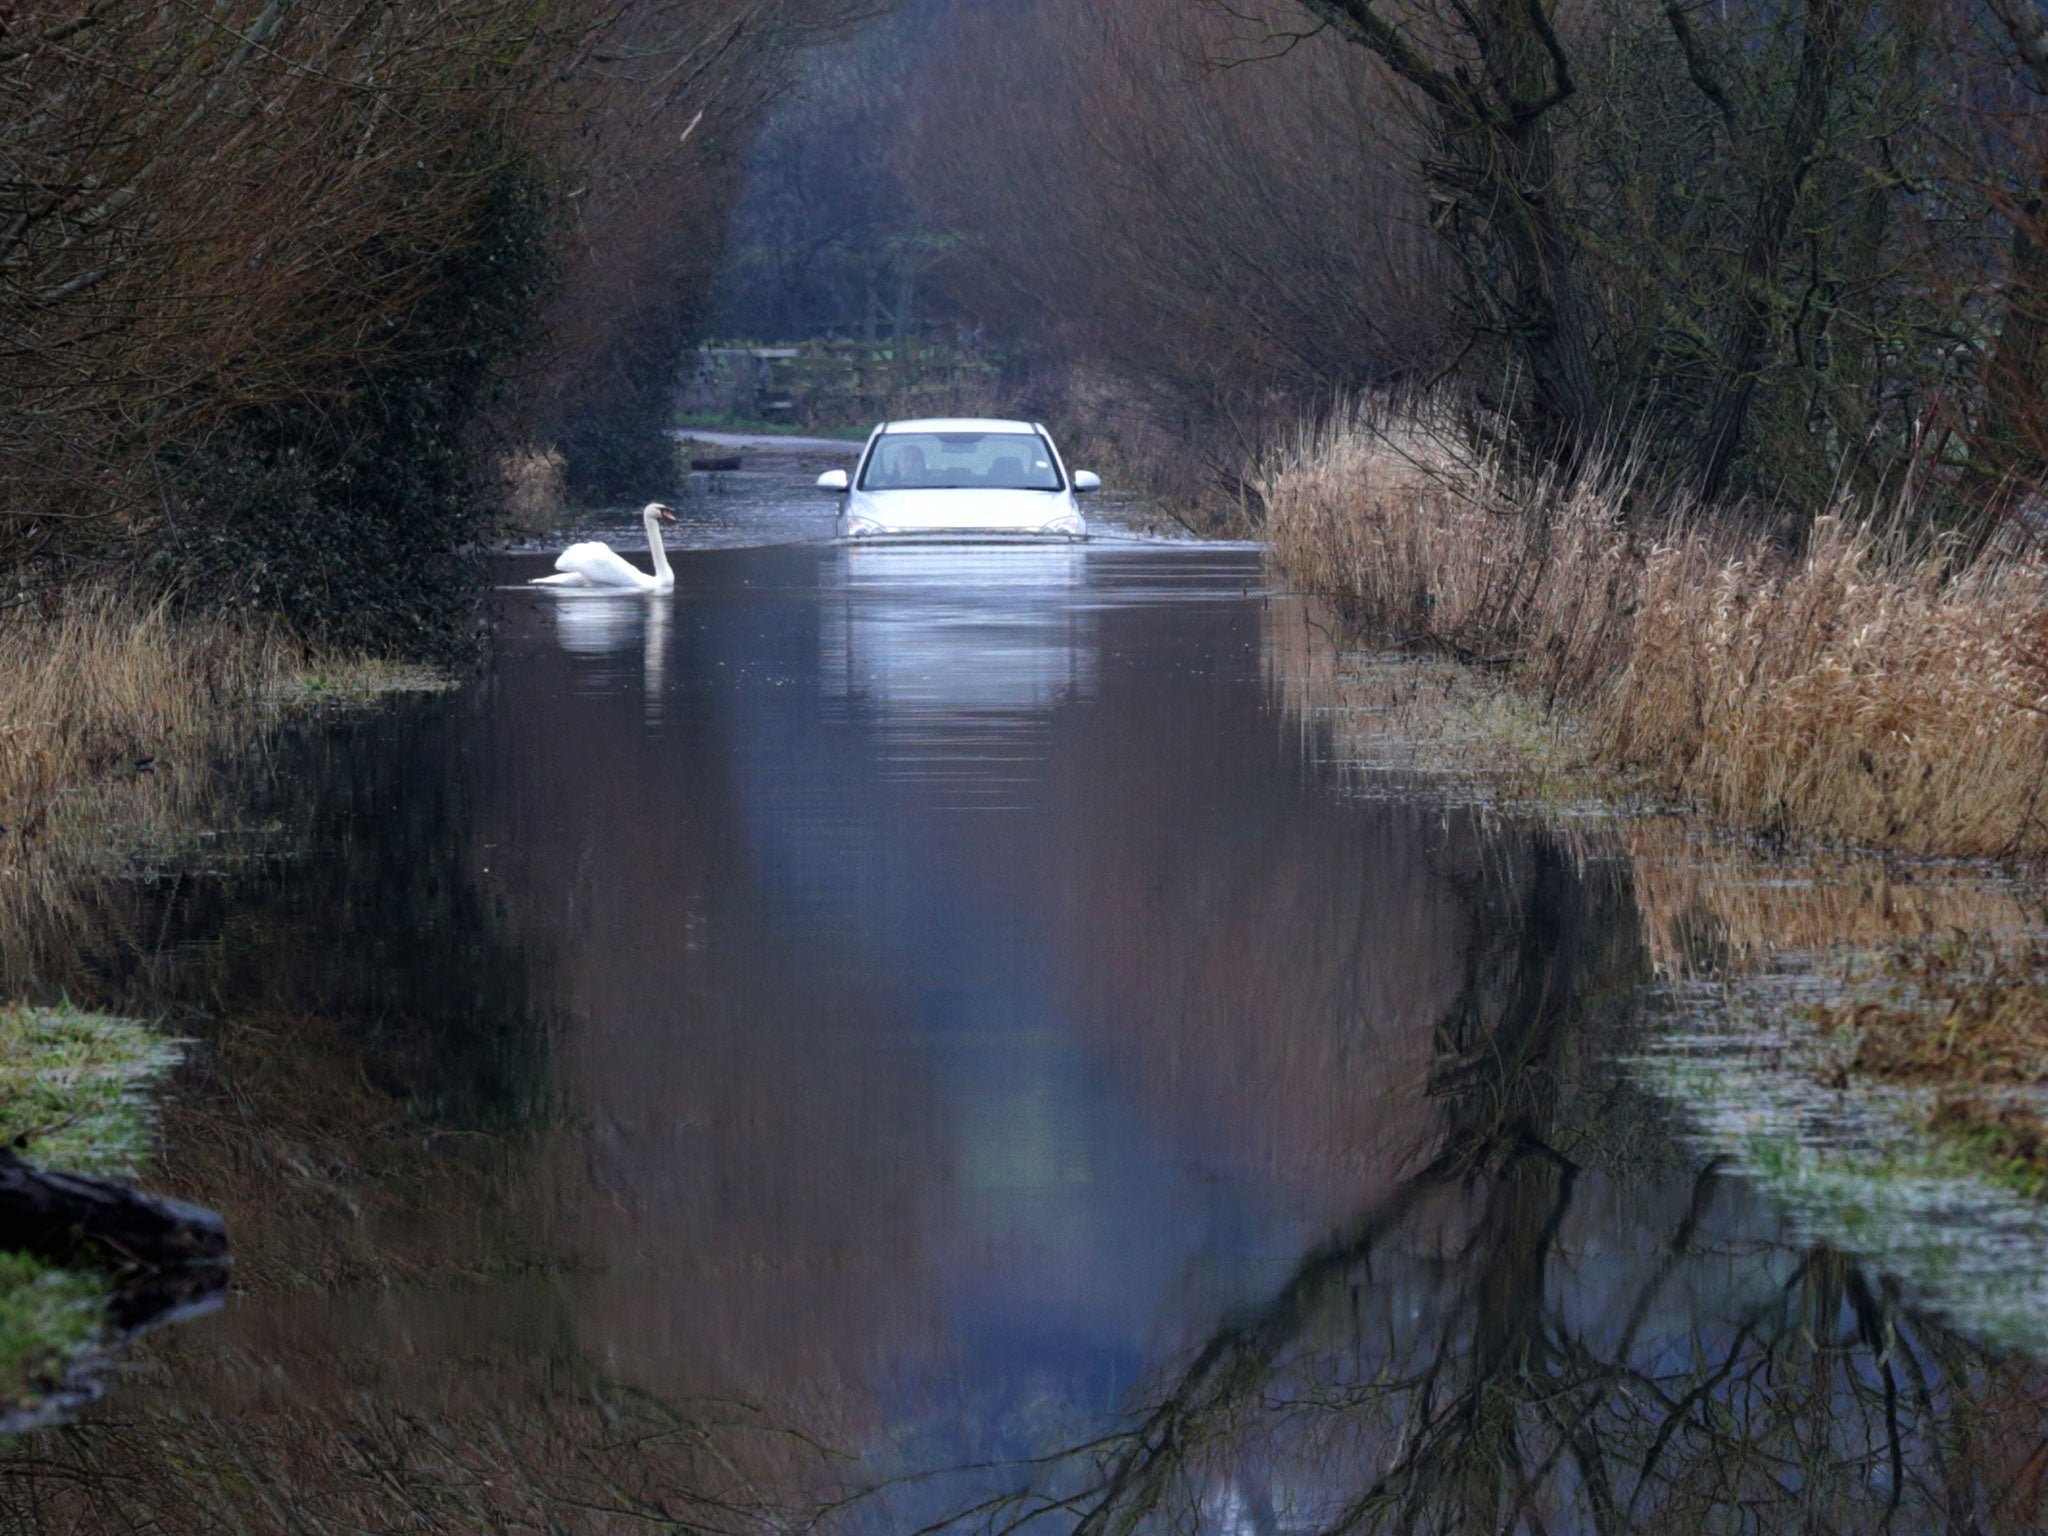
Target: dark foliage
x,y
615,429
359,519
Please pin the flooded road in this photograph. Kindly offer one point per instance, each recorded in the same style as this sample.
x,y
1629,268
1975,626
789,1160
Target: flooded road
x,y
889,1040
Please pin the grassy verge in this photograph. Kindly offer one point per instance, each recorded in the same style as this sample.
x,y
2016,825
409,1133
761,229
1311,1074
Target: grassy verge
x,y
114,715
1860,688
1397,714
1811,1016
98,685
72,1088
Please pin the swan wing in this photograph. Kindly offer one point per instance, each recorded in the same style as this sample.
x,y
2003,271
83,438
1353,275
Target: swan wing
x,y
565,579
599,565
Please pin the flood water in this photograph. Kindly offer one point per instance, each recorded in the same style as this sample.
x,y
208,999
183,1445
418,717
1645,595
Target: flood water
x,y
906,1040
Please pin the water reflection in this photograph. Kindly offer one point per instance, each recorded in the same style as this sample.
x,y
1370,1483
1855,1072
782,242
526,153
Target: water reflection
x,y
613,624
651,1090
1563,1318
599,625
955,646
958,653
1547,1326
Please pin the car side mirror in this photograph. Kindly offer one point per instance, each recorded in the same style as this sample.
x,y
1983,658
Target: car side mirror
x,y
832,480
1086,480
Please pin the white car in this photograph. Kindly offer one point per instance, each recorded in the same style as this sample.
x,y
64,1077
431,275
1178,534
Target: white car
x,y
953,479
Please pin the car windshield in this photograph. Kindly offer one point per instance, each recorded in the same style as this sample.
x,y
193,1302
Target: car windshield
x,y
958,461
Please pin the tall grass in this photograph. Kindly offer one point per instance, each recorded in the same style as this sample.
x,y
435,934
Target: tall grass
x,y
96,683
112,713
1863,686
116,716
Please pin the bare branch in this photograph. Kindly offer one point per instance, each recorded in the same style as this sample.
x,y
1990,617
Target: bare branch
x,y
1696,66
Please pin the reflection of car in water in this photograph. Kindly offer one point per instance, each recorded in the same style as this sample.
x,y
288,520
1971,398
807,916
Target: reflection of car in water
x,y
953,479
944,632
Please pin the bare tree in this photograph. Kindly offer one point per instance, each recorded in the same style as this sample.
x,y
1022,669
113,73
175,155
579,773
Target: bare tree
x,y
269,254
1778,249
1494,74
1198,251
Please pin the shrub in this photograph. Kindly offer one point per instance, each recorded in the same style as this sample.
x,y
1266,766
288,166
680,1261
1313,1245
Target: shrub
x,y
360,522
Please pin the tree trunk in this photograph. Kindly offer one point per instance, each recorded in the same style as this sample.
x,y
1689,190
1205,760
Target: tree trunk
x,y
1745,347
2016,386
1493,179
1524,268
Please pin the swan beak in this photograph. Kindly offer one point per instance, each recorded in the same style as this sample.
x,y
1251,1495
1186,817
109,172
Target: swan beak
x,y
667,516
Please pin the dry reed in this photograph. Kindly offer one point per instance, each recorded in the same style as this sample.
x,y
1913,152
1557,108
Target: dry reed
x,y
536,489
98,689
115,717
1864,687
96,684
112,714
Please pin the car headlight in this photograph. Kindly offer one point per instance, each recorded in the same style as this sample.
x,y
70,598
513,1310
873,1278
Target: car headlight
x,y
861,527
1070,525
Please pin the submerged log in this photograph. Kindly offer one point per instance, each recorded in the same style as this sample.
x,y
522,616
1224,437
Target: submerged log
x,y
77,1221
168,1261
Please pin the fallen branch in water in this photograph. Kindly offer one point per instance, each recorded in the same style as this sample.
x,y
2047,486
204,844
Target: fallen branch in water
x,y
74,1220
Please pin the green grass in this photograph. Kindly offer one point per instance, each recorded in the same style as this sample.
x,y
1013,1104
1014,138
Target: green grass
x,y
72,1087
46,1317
72,1096
749,424
2006,1143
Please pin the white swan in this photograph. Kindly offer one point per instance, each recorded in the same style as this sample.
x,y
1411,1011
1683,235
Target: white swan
x,y
594,565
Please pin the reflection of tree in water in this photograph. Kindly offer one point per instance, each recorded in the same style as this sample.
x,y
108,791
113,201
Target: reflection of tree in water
x,y
399,1355
575,1460
357,905
1477,1352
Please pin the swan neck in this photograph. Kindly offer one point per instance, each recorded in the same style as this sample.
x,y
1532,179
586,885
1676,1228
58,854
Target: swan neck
x,y
656,549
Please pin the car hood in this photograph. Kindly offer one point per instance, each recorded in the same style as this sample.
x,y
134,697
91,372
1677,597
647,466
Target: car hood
x,y
1025,511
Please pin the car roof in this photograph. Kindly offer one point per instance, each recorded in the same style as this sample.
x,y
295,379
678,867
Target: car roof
x,y
958,424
